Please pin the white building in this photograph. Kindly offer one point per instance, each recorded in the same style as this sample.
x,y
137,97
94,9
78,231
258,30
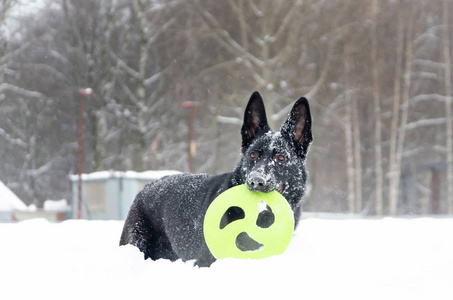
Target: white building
x,y
108,195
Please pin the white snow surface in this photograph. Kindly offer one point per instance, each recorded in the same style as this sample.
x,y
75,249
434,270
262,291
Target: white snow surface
x,y
327,259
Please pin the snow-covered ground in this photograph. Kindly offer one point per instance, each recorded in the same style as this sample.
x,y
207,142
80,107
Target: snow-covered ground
x,y
327,259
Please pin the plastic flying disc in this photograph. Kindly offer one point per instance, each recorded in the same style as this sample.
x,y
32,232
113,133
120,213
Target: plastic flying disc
x,y
272,240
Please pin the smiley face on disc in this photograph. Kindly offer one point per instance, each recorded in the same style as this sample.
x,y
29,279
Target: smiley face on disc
x,y
244,224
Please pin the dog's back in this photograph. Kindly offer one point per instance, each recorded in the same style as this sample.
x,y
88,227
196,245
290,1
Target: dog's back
x,y
166,218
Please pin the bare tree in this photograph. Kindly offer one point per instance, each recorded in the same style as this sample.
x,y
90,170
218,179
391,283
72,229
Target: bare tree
x,y
349,137
447,83
379,203
5,6
401,131
357,155
144,58
393,172
269,37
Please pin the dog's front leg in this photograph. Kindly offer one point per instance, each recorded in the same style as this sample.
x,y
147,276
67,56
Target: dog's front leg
x,y
206,259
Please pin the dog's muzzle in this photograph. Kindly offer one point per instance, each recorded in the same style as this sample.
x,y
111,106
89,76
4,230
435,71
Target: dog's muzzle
x,y
258,182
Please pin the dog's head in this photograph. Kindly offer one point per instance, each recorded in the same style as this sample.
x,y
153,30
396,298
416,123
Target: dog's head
x,y
275,160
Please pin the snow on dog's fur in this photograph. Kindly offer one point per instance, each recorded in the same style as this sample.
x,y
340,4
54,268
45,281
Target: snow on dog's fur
x,y
166,218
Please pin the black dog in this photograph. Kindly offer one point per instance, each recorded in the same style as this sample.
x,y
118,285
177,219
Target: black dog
x,y
166,218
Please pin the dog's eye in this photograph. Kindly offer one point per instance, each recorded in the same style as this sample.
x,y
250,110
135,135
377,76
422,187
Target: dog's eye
x,y
281,158
253,155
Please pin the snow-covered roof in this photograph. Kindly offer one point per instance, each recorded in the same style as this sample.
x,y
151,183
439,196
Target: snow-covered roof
x,y
8,200
56,205
147,175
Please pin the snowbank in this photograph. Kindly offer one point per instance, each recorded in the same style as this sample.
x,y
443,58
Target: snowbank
x,y
327,259
9,200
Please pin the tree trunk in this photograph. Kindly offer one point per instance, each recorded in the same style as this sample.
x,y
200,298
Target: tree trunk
x,y
379,203
393,190
101,134
357,155
101,119
449,127
352,134
142,159
404,112
348,129
349,156
435,191
265,53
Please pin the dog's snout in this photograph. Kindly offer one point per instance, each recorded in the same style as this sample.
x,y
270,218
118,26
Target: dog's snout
x,y
256,182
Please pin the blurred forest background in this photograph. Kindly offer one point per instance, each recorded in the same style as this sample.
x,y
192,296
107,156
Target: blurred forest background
x,y
377,75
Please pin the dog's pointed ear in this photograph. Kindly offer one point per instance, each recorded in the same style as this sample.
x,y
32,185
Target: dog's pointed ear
x,y
255,121
297,127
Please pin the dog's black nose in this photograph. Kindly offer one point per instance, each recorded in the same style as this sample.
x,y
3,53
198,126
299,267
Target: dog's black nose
x,y
257,183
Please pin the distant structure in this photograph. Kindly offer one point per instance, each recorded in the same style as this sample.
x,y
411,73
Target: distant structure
x,y
108,195
8,203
